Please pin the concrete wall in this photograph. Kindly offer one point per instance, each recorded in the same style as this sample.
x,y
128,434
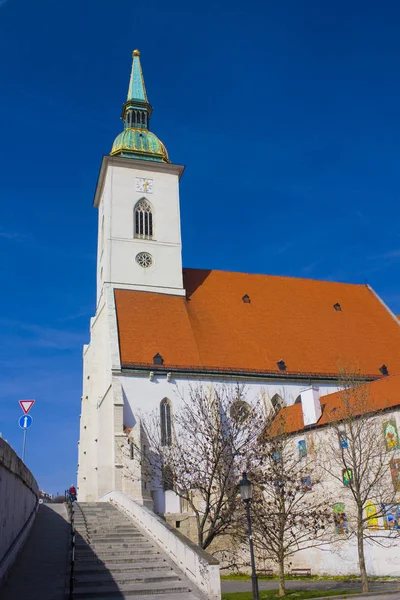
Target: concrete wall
x,y
19,496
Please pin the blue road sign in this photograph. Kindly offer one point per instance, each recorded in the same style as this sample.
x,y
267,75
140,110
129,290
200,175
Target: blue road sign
x,y
25,421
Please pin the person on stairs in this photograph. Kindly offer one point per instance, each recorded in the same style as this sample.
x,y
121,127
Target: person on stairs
x,y
72,493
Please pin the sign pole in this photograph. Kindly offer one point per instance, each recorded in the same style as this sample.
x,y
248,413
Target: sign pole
x,y
25,421
23,446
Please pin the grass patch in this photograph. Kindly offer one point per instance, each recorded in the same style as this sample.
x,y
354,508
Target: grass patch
x,y
290,594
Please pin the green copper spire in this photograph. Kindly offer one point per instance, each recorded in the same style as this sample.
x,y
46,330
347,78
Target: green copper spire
x,y
136,141
137,89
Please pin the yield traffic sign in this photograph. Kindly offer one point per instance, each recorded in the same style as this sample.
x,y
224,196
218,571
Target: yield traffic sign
x,y
26,405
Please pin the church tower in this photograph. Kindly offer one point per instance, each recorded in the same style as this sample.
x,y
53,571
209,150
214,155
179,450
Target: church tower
x,y
139,249
139,234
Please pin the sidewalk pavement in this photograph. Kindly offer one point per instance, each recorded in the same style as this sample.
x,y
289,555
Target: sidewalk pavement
x,y
41,568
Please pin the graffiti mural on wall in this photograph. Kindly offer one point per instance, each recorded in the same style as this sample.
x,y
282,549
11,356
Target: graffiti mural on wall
x,y
340,518
343,441
391,518
306,484
390,434
370,510
347,476
395,473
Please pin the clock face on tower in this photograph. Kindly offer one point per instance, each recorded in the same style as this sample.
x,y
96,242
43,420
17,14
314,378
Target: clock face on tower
x,y
144,185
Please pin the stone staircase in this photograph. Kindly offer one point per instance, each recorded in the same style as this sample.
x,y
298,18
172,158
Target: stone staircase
x,y
114,559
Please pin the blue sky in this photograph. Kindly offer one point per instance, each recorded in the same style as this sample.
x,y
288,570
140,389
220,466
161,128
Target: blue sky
x,y
287,115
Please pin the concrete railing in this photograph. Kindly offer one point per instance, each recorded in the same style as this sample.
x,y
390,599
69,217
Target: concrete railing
x,y
19,501
199,566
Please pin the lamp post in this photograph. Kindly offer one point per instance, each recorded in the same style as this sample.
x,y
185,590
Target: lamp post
x,y
246,492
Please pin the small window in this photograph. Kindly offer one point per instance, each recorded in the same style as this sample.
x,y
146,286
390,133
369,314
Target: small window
x,y
246,299
158,359
337,307
343,441
302,448
276,402
143,220
239,411
306,484
281,365
165,422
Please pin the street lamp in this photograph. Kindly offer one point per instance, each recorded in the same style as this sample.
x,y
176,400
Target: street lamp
x,y
246,492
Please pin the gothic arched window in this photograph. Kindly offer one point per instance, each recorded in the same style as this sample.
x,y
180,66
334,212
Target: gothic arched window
x,y
166,422
276,402
143,220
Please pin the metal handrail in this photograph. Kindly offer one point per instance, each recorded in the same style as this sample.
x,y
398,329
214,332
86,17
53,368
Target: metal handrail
x,y
70,508
85,522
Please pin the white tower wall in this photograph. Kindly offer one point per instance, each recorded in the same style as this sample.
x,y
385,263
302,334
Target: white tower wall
x,y
118,247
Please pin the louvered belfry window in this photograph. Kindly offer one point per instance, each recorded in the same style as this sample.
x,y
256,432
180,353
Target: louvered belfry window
x,y
166,426
143,220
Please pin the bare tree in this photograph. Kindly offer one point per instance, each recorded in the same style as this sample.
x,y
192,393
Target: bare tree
x,y
288,512
358,452
213,439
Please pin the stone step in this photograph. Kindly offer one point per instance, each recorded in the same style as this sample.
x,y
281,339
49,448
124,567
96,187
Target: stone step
x,y
115,559
165,596
106,578
126,567
109,526
119,561
113,546
99,517
82,539
129,590
88,554
111,531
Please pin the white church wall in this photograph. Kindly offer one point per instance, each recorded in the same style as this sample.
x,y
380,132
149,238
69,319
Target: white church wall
x,y
105,444
96,383
144,396
340,556
126,271
87,478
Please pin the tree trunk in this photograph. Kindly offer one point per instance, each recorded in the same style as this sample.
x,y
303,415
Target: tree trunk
x,y
282,588
361,557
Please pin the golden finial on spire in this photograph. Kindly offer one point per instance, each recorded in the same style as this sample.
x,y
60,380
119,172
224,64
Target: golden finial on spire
x,y
135,53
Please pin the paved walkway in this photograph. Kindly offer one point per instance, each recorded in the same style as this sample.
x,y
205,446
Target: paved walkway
x,y
41,569
309,584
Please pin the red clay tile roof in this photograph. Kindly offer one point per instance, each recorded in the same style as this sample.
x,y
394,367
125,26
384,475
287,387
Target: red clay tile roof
x,y
368,398
287,319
